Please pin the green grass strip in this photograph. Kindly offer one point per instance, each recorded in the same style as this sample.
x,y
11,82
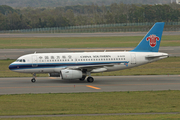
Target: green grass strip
x,y
81,42
90,103
110,117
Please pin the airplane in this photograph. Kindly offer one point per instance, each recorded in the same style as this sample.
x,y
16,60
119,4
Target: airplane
x,y
81,64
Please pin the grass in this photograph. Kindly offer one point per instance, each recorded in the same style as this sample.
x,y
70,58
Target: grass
x,y
111,117
81,42
168,66
90,103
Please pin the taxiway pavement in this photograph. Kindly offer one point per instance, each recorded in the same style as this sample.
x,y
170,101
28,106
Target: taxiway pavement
x,y
101,84
15,53
83,34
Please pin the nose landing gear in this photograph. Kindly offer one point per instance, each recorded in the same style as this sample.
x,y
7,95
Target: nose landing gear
x,y
33,80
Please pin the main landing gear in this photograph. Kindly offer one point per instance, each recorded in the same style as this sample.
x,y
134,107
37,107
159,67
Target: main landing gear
x,y
90,79
83,78
33,80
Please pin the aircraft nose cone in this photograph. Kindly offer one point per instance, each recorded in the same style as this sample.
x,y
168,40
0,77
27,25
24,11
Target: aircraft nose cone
x,y
11,66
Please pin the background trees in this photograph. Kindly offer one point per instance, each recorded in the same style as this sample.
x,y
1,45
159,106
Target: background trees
x,y
57,3
28,17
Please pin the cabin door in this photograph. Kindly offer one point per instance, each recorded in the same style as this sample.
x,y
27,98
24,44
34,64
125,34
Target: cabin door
x,y
34,61
133,58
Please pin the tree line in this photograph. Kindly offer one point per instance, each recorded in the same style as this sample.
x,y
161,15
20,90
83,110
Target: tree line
x,y
27,18
57,3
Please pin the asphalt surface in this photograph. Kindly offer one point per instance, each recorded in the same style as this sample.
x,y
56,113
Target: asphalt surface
x,y
101,84
85,34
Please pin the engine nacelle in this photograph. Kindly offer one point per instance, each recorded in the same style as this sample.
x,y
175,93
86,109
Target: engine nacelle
x,y
71,74
54,74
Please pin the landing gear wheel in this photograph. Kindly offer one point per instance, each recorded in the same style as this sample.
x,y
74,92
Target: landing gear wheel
x,y
90,79
33,80
83,78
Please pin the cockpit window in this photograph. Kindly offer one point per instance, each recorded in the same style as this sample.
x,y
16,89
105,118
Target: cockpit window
x,y
20,60
17,60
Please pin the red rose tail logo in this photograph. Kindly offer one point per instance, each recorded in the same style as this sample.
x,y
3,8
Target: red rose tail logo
x,y
152,40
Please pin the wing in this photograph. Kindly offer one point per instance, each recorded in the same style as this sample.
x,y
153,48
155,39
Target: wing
x,y
95,68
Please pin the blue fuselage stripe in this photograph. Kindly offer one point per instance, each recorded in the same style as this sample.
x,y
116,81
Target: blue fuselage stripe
x,y
52,65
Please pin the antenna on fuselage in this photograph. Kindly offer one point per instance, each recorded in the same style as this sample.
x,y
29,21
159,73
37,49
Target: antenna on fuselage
x,y
35,52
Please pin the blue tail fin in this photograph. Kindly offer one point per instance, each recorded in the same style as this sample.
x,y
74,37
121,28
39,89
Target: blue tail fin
x,y
151,41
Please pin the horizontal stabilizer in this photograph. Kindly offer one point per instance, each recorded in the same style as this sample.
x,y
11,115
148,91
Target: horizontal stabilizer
x,y
157,56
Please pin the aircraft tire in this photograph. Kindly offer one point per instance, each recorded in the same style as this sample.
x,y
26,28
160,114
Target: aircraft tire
x,y
33,80
90,79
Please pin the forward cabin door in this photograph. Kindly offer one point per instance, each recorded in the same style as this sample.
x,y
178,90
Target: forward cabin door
x,y
34,61
133,58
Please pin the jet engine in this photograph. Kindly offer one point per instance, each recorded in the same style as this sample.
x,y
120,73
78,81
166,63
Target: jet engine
x,y
71,74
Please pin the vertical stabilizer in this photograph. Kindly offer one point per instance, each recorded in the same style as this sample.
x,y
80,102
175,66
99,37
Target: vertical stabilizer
x,y
152,40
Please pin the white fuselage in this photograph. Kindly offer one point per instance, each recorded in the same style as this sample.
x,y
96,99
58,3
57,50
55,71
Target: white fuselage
x,y
55,62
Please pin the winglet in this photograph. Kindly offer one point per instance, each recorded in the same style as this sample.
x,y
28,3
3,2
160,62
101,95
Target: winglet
x,y
151,41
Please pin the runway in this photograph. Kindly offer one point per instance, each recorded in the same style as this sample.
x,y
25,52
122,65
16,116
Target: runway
x,y
4,35
101,84
15,53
